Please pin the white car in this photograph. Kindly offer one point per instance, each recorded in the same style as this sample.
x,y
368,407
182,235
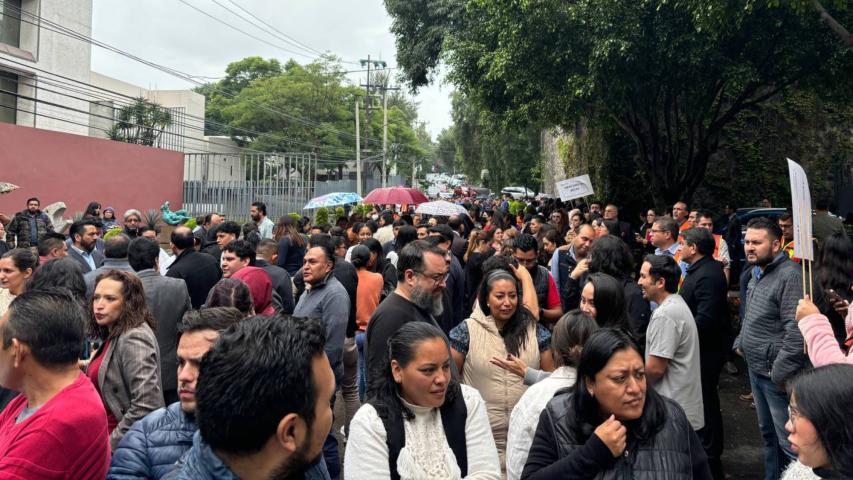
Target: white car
x,y
518,193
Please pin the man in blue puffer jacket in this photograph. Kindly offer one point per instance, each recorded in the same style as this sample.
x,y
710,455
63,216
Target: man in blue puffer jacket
x,y
154,444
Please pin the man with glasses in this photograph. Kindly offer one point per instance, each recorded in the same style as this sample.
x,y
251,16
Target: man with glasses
x,y
422,271
526,254
133,223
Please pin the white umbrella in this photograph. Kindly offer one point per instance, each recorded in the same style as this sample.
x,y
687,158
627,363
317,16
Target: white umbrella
x,y
441,208
7,187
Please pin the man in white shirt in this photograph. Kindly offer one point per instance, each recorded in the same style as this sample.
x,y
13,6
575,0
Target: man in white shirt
x,y
672,341
258,212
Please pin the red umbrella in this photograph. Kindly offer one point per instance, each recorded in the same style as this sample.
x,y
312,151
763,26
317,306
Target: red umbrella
x,y
395,196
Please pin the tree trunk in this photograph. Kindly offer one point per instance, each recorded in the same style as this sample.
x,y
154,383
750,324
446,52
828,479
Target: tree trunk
x,y
839,30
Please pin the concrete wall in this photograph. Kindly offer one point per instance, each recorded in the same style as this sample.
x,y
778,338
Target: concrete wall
x,y
56,53
77,170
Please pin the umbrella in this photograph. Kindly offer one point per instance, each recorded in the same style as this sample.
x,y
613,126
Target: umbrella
x,y
395,196
7,187
333,199
441,208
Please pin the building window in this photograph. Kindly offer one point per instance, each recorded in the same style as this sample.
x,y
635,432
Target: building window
x,y
8,101
10,22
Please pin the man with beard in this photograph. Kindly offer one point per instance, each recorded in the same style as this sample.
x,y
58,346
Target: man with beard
x,y
84,234
258,212
422,272
769,339
153,445
268,418
29,226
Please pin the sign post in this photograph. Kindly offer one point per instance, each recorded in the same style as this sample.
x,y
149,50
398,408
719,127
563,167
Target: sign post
x,y
801,203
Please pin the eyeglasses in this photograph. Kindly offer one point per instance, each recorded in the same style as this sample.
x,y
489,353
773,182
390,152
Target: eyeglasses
x,y
522,261
793,416
437,279
657,231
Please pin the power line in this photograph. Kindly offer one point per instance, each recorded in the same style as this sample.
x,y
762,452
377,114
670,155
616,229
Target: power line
x,y
223,22
176,73
185,124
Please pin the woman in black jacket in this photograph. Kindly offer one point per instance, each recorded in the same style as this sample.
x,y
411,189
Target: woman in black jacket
x,y
610,426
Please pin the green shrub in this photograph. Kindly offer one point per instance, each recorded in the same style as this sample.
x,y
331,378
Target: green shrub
x,y
322,216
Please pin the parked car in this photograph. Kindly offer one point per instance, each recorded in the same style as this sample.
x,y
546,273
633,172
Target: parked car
x,y
747,214
518,193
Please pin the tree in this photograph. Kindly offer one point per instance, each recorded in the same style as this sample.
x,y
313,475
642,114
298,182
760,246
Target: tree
x,y
668,77
142,123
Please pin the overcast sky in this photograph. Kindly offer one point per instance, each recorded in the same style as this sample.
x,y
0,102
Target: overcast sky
x,y
172,34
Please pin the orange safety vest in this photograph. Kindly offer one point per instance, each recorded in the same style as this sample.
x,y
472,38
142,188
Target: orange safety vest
x,y
789,250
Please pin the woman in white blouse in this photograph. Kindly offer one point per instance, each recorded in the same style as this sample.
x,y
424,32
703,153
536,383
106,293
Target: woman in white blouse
x,y
567,339
423,424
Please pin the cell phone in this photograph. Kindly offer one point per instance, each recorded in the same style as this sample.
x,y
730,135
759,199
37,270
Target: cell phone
x,y
833,296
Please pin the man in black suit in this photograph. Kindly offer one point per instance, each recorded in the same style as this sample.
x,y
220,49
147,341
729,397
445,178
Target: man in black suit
x,y
199,271
705,290
611,212
168,300
84,235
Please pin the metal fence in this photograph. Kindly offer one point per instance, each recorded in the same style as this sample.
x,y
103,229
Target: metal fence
x,y
229,183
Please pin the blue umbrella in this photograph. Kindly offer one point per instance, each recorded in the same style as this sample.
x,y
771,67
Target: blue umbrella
x,y
332,200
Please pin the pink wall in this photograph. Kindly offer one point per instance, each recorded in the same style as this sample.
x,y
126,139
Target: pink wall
x,y
60,167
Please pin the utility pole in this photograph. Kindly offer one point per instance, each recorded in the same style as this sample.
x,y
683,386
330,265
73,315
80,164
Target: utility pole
x,y
357,152
368,103
385,134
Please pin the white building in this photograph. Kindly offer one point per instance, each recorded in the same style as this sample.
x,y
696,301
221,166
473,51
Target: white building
x,y
46,79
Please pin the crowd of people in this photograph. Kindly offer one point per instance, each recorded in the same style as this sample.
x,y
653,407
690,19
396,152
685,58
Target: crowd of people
x,y
556,341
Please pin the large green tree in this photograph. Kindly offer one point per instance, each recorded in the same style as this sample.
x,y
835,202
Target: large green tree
x,y
667,73
272,106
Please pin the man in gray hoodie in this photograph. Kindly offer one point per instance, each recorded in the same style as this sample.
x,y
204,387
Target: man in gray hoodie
x,y
769,339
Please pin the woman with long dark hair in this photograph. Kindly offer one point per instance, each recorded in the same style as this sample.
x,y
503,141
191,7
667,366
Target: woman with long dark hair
x,y
603,298
833,280
480,249
405,235
819,424
422,423
93,211
291,244
378,264
501,327
611,255
126,368
567,340
551,241
610,424
819,323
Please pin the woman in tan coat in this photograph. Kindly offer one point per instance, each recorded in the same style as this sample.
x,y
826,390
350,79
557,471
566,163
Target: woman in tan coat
x,y
499,327
126,367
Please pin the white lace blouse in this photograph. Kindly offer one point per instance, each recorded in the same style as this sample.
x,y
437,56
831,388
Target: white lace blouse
x,y
426,455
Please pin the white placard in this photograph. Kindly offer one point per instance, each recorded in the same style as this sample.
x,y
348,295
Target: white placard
x,y
801,201
573,188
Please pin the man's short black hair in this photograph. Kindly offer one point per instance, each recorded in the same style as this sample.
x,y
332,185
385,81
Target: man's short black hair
x,y
526,242
229,227
116,246
33,199
50,323
183,238
822,204
454,222
49,241
668,224
705,214
400,223
663,266
79,227
785,217
259,371
763,223
143,253
325,246
213,318
411,257
261,206
242,249
539,218
702,238
267,248
444,230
